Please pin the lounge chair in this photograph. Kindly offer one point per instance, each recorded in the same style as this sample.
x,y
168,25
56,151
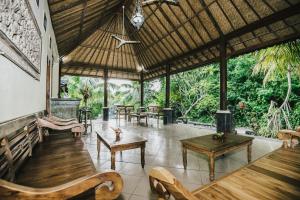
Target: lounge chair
x,y
60,122
77,129
52,117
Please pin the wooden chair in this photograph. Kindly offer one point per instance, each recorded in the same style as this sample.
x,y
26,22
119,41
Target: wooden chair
x,y
274,176
290,138
139,116
121,110
128,111
166,184
155,112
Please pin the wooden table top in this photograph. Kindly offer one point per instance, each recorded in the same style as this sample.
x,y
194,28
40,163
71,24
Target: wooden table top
x,y
125,138
207,143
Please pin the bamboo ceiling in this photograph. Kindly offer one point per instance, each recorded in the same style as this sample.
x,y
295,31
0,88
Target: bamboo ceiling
x,y
184,36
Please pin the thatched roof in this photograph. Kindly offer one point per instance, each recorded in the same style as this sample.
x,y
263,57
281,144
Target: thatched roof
x,y
184,36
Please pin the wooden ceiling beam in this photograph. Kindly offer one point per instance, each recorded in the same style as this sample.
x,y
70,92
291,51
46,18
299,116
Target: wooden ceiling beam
x,y
171,36
280,15
84,2
80,65
71,22
188,32
143,59
97,76
211,17
153,31
94,8
85,35
98,41
65,7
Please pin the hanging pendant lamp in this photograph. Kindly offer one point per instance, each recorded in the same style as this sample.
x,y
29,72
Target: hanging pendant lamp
x,y
137,18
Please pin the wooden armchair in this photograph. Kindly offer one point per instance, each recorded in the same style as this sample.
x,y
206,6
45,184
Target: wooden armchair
x,y
121,110
155,112
98,183
165,184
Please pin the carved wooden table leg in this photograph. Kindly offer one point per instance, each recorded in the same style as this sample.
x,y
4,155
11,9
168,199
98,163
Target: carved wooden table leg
x,y
249,152
211,167
184,156
143,156
113,160
98,147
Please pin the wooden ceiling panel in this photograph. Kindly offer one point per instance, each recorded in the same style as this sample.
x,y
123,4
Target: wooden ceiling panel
x,y
184,36
220,18
260,8
234,16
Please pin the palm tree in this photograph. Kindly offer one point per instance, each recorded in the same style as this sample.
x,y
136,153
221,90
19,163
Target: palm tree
x,y
279,61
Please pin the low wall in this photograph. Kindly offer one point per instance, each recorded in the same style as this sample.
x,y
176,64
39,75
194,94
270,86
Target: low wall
x,y
65,108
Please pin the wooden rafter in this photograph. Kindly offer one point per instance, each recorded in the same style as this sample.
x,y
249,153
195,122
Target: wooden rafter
x,y
183,37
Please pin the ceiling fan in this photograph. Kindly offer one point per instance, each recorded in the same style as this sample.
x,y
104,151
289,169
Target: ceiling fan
x,y
141,68
121,39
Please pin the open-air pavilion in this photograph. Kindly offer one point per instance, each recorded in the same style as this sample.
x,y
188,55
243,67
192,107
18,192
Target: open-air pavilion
x,y
43,156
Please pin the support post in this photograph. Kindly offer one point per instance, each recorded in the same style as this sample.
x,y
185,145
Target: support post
x,y
223,76
48,87
224,118
168,117
105,104
142,89
167,99
59,77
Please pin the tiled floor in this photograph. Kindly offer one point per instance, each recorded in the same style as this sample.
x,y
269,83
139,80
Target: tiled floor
x,y
163,149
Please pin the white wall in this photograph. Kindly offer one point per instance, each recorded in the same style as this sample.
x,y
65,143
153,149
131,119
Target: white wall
x,y
20,94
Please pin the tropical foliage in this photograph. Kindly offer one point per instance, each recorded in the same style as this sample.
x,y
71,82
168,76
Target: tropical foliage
x,y
254,82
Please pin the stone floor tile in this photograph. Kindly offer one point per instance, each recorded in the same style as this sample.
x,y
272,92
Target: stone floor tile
x,y
164,149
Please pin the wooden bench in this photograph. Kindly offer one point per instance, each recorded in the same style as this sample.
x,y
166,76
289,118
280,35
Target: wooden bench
x,y
274,176
58,168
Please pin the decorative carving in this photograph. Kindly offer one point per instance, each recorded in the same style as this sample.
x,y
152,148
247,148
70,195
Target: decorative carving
x,y
20,37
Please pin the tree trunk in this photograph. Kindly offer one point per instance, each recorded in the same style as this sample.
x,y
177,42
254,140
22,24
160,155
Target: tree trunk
x,y
286,100
283,111
190,108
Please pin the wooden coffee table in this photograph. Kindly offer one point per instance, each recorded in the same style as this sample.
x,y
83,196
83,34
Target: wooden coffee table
x,y
126,142
214,148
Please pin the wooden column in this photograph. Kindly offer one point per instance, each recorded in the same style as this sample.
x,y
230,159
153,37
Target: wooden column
x,y
223,76
142,89
168,113
48,87
105,87
59,77
167,99
105,104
